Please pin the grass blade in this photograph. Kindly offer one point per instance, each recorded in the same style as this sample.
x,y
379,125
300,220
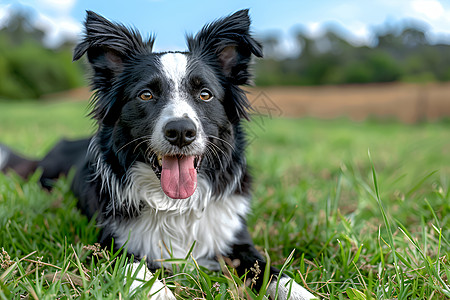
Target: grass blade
x,y
387,224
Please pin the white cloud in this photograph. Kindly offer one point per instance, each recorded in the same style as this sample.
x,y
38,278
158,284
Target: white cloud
x,y
4,13
361,34
58,6
315,28
58,28
55,16
432,9
52,16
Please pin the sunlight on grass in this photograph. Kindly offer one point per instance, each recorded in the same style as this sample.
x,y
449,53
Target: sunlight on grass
x,y
33,127
362,227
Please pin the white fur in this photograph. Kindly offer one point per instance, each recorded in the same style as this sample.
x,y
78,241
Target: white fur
x,y
120,195
177,108
3,157
176,224
168,227
174,66
297,292
158,289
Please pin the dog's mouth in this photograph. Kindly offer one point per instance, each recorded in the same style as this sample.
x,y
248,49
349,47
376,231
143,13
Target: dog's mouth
x,y
177,173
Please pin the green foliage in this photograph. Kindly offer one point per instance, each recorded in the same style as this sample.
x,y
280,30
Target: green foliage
x,y
28,69
362,227
396,55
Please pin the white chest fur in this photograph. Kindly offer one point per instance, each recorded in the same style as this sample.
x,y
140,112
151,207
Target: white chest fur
x,y
168,228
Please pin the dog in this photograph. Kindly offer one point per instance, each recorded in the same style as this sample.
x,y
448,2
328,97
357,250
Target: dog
x,y
166,165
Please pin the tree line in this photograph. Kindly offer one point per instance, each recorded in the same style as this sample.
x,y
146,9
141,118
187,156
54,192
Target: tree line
x,y
401,53
29,69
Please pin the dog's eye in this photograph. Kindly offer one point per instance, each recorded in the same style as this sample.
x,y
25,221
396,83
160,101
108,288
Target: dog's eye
x,y
206,95
146,95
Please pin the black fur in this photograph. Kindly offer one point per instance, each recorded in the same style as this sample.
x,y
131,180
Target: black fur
x,y
123,64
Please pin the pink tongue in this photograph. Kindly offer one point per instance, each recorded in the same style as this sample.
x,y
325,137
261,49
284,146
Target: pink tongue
x,y
178,176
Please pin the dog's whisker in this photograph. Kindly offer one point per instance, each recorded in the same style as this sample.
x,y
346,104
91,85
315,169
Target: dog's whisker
x,y
222,140
139,144
154,190
126,145
217,155
210,157
226,155
129,143
217,147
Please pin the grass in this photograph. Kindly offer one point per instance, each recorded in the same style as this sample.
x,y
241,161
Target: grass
x,y
363,226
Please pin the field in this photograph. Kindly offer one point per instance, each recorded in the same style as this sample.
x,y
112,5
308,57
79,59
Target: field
x,y
365,205
408,103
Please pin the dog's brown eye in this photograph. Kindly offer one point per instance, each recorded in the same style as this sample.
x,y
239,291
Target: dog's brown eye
x,y
206,95
146,95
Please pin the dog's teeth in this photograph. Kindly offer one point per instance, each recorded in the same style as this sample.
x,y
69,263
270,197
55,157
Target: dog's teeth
x,y
160,160
197,161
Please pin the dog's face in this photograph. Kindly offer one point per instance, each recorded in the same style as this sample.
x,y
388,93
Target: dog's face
x,y
173,105
176,110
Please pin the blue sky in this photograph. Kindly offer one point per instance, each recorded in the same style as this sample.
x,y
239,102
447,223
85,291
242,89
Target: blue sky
x,y
170,20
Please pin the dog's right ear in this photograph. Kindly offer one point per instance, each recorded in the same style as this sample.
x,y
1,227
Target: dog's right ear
x,y
108,45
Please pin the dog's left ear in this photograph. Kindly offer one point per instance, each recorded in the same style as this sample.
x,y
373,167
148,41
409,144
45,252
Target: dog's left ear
x,y
228,42
108,45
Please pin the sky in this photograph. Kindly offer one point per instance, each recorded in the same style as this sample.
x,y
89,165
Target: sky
x,y
170,20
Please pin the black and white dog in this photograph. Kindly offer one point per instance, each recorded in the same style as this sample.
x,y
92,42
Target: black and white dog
x,y
166,166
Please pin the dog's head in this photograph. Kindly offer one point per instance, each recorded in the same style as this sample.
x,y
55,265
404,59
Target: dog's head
x,y
174,110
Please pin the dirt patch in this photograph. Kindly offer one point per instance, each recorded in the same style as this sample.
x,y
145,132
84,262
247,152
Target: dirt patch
x,y
408,103
78,94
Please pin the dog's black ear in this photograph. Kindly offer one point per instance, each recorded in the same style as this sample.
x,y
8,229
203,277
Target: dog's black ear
x,y
228,46
108,45
228,41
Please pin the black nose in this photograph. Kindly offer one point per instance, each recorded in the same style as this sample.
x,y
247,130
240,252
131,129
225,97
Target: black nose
x,y
180,132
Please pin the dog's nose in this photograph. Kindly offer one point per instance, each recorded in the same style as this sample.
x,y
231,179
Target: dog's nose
x,y
180,132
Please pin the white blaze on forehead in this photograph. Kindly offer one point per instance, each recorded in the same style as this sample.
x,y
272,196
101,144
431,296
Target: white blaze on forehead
x,y
174,66
177,105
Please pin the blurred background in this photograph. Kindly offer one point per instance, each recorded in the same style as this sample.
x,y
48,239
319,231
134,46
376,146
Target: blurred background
x,y
383,59
328,64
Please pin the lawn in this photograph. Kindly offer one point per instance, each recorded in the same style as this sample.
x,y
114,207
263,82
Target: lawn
x,y
364,205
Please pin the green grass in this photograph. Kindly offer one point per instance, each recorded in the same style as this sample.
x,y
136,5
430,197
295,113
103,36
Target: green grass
x,y
362,226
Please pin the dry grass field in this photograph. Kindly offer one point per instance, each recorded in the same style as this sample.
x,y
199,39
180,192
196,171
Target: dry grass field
x,y
408,103
365,205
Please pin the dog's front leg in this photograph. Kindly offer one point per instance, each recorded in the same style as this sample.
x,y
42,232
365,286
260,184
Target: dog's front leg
x,y
140,274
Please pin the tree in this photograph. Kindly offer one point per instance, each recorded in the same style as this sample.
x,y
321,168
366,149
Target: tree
x,y
398,53
28,69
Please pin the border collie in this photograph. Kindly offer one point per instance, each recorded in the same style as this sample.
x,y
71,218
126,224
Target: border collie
x,y
167,165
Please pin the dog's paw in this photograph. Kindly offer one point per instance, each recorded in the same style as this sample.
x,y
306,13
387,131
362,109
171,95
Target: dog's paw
x,y
288,287
158,290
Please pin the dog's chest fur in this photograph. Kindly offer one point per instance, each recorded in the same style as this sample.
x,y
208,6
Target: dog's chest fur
x,y
168,228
